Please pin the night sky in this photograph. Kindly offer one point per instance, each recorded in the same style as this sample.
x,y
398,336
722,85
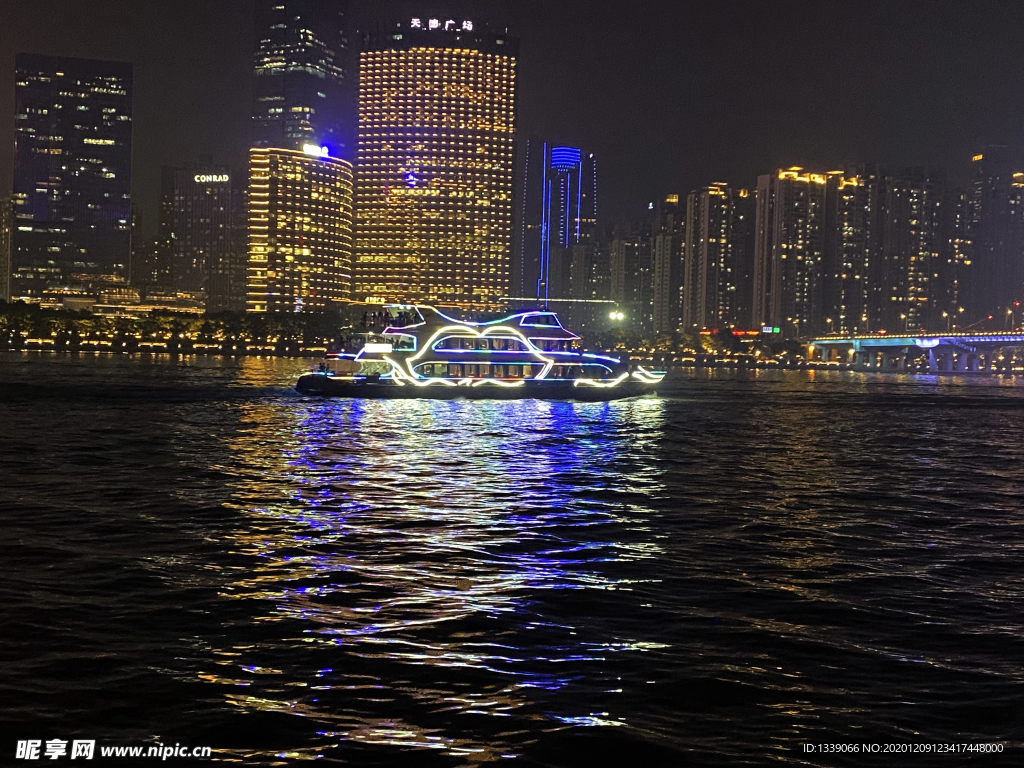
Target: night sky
x,y
670,95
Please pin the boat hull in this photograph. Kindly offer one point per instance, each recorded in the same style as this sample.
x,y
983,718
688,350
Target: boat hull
x,y
329,386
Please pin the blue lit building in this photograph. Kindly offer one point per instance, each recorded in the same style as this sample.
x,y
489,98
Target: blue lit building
x,y
557,211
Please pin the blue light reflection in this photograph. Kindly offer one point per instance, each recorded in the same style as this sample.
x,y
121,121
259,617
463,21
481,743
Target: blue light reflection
x,y
411,554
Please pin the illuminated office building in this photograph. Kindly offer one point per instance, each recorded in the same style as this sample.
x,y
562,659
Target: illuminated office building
x,y
300,230
435,165
301,92
716,260
72,172
558,211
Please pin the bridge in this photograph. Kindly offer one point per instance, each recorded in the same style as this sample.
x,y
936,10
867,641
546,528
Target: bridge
x,y
967,352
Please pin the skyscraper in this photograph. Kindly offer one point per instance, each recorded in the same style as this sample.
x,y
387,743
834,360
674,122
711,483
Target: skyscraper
x,y
911,250
716,274
301,92
435,164
853,275
206,241
6,218
300,231
667,235
630,278
72,172
788,251
558,210
624,266
994,276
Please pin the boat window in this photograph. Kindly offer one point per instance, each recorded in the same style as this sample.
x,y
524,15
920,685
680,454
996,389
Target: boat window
x,y
540,320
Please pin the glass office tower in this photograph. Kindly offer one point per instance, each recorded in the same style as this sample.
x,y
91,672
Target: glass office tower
x,y
301,93
72,173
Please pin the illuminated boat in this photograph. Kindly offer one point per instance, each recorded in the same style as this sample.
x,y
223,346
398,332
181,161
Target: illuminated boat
x,y
420,352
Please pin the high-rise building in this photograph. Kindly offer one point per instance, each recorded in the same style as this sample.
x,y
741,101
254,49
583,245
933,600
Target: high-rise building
x,y
667,234
300,230
954,262
207,248
6,219
72,172
624,266
717,256
437,105
852,261
790,226
558,210
629,272
912,244
301,92
994,276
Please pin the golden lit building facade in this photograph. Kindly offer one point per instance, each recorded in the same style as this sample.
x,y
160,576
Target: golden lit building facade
x,y
434,165
300,230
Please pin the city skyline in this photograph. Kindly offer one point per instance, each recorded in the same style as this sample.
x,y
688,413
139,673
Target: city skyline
x,y
735,126
434,167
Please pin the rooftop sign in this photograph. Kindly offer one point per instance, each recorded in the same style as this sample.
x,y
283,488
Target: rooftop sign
x,y
449,26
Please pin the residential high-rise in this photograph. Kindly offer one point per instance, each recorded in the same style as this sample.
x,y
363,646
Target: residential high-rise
x,y
954,263
716,274
852,262
437,105
667,265
629,272
558,210
911,249
300,231
72,172
301,90
994,278
624,266
790,226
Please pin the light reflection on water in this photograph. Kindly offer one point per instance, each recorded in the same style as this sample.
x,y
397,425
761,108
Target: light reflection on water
x,y
384,536
751,562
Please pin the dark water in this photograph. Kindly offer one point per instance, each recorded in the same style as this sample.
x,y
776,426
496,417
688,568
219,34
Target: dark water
x,y
193,553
